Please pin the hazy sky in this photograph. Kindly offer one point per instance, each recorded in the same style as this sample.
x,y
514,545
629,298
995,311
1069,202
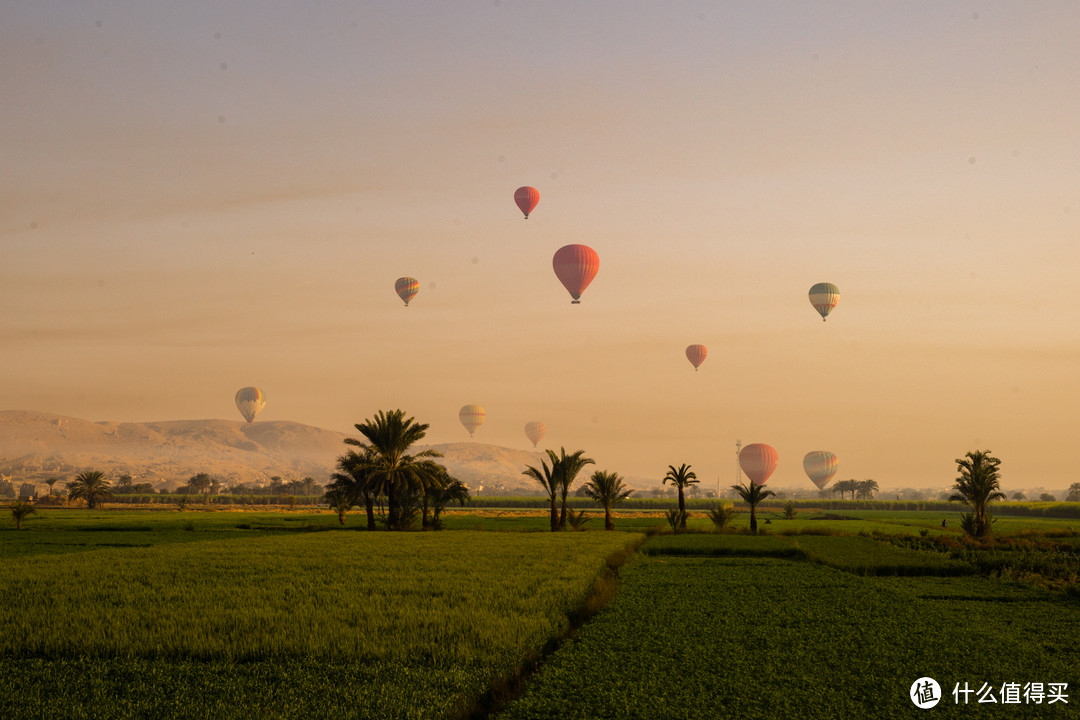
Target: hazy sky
x,y
200,196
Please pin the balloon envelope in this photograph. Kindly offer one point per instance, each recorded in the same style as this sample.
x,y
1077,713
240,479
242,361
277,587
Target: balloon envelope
x,y
406,288
758,462
472,417
575,266
535,431
250,401
526,198
696,354
820,466
824,297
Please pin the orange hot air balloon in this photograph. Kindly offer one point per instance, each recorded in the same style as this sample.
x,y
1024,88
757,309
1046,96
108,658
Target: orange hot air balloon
x,y
696,355
535,431
472,417
575,266
406,288
526,198
820,467
758,462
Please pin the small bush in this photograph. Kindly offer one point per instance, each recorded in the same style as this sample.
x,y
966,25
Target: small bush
x,y
675,519
576,520
721,516
19,511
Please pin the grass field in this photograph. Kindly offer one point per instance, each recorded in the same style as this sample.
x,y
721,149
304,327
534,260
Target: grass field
x,y
374,624
721,626
203,614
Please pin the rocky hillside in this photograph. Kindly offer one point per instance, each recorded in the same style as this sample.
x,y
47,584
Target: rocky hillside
x,y
35,446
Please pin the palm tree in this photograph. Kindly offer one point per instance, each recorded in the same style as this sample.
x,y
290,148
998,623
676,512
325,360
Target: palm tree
x,y
979,484
866,488
752,495
91,486
200,484
353,484
51,482
339,501
681,478
843,486
19,511
721,515
607,489
438,495
403,476
547,478
565,469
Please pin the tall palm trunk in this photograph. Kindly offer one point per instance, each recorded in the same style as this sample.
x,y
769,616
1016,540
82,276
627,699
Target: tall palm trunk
x,y
682,509
554,514
608,524
393,512
753,519
562,513
369,507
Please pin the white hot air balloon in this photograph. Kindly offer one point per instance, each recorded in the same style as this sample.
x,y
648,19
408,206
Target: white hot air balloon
x,y
472,417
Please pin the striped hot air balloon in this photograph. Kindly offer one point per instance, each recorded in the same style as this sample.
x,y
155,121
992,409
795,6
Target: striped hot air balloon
x,y
406,288
824,297
696,355
526,198
535,431
575,266
758,461
250,401
472,417
820,466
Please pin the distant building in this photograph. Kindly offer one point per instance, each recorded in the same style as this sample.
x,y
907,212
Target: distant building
x,y
27,492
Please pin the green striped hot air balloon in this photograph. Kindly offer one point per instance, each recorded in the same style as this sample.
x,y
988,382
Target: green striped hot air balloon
x,y
824,297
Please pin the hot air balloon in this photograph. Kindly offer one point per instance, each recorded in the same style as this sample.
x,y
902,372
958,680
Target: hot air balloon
x,y
758,462
535,431
406,288
696,355
824,297
575,266
472,417
250,401
526,198
820,466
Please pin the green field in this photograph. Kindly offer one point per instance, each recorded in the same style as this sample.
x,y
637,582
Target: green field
x,y
753,637
202,614
279,622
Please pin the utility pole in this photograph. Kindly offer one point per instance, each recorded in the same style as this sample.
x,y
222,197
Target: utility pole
x,y
738,466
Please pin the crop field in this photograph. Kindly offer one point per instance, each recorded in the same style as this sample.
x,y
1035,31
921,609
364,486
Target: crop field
x,y
204,614
760,637
281,623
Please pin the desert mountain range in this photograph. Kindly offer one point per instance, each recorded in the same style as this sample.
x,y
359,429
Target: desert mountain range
x,y
35,446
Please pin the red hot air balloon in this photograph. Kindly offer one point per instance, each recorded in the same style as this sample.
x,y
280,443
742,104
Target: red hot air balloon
x,y
575,266
406,288
758,462
526,198
696,355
